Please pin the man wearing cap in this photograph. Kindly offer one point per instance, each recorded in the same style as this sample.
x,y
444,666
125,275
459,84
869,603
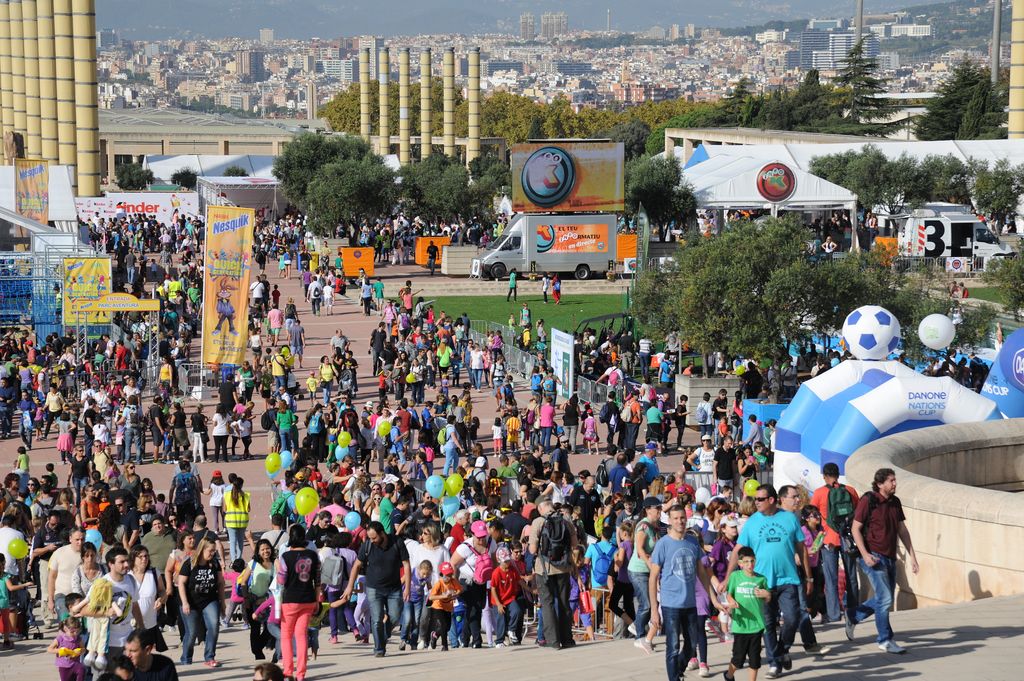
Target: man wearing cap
x,y
589,501
649,459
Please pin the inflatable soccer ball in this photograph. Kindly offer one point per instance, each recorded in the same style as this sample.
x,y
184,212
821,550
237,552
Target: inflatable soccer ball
x,y
871,332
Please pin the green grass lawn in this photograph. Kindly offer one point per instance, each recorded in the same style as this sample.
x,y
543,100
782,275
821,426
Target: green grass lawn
x,y
990,294
572,310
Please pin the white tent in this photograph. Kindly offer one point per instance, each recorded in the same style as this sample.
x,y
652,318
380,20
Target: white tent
x,y
801,155
62,212
247,192
209,165
729,182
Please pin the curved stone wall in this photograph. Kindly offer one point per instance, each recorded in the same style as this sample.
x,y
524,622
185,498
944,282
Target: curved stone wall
x,y
968,533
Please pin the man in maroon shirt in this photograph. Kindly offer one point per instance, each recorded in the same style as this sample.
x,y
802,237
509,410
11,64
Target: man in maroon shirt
x,y
877,523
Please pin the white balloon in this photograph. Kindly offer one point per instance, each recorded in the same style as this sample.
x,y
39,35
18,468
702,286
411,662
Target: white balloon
x,y
936,331
702,495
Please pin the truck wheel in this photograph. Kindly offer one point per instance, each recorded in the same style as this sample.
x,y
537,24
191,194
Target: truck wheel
x,y
498,271
582,272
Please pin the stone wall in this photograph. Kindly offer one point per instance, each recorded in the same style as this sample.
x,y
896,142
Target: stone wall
x,y
967,533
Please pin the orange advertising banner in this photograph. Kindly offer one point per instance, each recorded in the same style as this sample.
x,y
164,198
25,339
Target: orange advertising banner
x,y
423,242
585,238
352,259
564,176
625,246
32,189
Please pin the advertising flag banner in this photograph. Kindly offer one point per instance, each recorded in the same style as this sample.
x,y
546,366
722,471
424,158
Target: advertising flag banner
x,y
85,279
32,189
227,266
562,361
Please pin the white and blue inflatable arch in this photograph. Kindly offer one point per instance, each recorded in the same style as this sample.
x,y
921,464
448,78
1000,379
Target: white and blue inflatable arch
x,y
857,402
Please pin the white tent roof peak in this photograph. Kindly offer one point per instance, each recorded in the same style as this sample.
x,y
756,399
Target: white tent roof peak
x,y
731,182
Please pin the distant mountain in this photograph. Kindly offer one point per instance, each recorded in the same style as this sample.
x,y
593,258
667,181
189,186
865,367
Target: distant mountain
x,y
145,19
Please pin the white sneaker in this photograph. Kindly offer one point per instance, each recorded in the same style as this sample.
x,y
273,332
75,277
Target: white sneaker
x,y
423,645
891,647
692,664
644,645
705,673
631,629
499,645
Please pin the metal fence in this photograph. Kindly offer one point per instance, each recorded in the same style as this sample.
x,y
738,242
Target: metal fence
x,y
516,359
597,393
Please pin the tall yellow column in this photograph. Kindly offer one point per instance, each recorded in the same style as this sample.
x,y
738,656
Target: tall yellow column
x,y
473,90
6,94
1015,123
83,19
403,106
47,80
64,51
426,107
18,69
383,103
448,74
33,142
364,93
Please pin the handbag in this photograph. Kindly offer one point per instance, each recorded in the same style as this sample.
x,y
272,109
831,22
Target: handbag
x,y
586,601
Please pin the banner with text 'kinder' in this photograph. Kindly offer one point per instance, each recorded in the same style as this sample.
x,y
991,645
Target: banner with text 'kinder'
x,y
166,206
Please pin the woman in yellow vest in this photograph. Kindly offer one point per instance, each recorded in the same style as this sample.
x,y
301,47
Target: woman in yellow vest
x,y
236,516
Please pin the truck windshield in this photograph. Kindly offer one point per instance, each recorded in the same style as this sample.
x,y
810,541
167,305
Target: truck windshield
x,y
511,243
985,236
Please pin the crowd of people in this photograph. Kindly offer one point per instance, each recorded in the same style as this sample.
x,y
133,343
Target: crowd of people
x,y
402,520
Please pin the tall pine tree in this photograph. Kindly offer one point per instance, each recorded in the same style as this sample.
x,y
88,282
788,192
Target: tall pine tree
x,y
862,92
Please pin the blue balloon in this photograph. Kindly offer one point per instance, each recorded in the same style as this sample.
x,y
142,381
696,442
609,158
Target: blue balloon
x,y
449,505
435,486
272,475
286,459
340,453
94,537
352,520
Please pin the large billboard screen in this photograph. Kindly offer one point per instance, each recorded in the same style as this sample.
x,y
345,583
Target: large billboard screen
x,y
568,177
571,238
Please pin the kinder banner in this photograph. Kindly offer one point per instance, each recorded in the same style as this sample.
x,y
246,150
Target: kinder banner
x,y
585,238
568,177
166,207
562,361
32,189
85,279
227,265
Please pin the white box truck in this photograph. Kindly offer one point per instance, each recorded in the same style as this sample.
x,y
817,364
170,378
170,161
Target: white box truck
x,y
950,235
583,245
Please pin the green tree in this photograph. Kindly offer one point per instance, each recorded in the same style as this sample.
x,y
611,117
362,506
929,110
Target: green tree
x,y
490,174
704,115
997,189
875,179
438,188
951,178
236,171
185,177
301,158
862,94
133,177
350,189
725,293
633,135
967,93
656,183
1008,275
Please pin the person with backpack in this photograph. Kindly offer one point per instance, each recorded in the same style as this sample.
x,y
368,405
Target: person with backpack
x,y
552,539
705,416
474,564
184,494
600,557
836,503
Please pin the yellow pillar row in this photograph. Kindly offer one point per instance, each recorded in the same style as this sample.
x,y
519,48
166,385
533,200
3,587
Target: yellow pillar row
x,y
383,103
426,110
473,92
6,92
1015,122
18,69
33,141
364,93
47,80
64,62
86,113
448,74
403,106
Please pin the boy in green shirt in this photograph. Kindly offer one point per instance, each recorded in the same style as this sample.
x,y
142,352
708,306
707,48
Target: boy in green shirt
x,y
747,594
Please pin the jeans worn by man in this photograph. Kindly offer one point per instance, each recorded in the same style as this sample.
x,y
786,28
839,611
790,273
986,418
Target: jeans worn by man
x,y
785,601
383,601
883,582
678,622
835,604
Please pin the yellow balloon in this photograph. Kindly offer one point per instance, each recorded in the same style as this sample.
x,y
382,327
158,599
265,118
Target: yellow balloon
x,y
344,438
384,428
272,463
18,549
306,501
453,485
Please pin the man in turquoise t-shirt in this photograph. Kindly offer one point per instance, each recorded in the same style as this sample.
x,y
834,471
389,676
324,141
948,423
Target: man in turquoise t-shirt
x,y
776,538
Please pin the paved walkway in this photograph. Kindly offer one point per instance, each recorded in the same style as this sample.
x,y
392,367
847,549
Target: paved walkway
x,y
979,641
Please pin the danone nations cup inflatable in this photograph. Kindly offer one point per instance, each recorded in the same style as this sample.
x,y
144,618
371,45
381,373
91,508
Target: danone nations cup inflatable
x,y
864,399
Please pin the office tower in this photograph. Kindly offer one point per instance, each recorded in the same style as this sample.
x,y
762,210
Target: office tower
x,y
375,44
527,28
266,36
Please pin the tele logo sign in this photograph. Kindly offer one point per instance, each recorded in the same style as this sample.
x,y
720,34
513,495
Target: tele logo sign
x,y
776,182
